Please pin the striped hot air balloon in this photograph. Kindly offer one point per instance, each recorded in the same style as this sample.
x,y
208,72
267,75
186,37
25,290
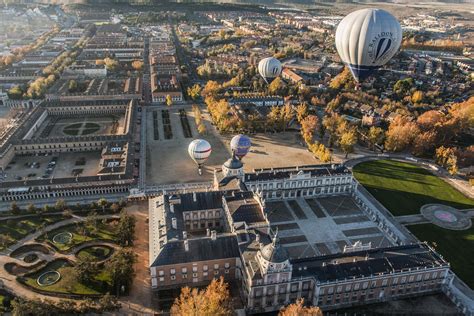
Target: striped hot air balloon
x,y
240,145
199,150
367,39
269,68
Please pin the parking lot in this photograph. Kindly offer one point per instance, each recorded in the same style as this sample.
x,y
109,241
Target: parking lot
x,y
61,165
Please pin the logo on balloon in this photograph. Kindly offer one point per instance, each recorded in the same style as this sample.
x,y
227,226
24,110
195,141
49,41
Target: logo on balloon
x,y
380,46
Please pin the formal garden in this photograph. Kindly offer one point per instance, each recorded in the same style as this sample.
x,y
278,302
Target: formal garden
x,y
72,254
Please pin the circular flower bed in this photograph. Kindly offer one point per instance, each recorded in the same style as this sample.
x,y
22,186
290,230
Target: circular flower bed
x,y
48,278
62,238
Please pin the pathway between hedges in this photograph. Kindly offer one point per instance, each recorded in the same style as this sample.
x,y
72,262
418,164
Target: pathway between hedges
x,y
9,282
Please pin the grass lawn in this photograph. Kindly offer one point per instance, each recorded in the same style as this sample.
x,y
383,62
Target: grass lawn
x,y
456,246
99,285
95,253
16,229
103,231
403,187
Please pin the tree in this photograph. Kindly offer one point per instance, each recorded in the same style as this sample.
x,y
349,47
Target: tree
x,y
72,86
298,309
120,267
194,91
92,221
137,65
15,93
212,88
169,100
85,271
375,136
301,111
103,203
31,208
111,64
287,114
214,300
446,157
342,80
431,120
332,125
14,208
308,127
115,207
126,229
276,86
348,140
401,133
424,143
417,96
60,205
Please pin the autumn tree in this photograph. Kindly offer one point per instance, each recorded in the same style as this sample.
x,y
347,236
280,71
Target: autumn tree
x,y
194,91
214,300
401,133
308,127
431,120
332,124
137,65
375,136
342,80
417,96
169,100
446,157
301,111
347,141
276,86
212,88
298,309
111,64
424,143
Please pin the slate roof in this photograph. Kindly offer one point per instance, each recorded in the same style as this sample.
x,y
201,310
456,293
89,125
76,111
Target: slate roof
x,y
200,249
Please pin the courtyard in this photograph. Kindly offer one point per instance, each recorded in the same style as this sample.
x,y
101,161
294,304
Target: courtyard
x,y
322,226
168,139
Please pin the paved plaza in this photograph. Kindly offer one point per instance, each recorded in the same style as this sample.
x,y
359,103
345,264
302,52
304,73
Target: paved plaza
x,y
322,226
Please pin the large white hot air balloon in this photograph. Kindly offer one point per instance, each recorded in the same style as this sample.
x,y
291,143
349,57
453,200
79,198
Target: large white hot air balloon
x,y
367,39
269,68
199,150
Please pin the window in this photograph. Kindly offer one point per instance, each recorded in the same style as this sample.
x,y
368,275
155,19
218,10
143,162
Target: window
x,y
339,289
226,265
205,274
161,273
216,267
195,275
172,271
226,271
404,279
294,287
330,290
348,288
395,281
184,270
184,276
356,286
195,269
411,278
173,277
365,285
205,267
162,279
384,282
216,272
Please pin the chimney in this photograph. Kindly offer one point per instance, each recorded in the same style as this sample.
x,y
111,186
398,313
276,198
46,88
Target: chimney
x,y
185,235
174,223
172,208
213,235
208,232
194,197
186,245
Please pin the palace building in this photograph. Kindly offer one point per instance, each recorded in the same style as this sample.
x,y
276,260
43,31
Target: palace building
x,y
286,233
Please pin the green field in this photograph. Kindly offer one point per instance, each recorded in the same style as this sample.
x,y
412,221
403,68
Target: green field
x,y
80,234
456,246
404,188
99,285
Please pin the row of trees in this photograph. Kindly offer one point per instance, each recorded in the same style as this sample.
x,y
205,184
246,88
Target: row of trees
x,y
215,300
106,303
201,127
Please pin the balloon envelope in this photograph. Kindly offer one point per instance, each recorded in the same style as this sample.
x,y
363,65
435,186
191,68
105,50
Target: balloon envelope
x,y
240,145
199,150
269,68
367,39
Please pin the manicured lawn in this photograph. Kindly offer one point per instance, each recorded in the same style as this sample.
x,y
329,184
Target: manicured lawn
x,y
100,284
456,246
403,188
16,229
103,232
95,253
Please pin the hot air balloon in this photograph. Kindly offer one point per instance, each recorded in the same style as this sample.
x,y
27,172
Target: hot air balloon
x,y
367,39
199,150
240,145
269,68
